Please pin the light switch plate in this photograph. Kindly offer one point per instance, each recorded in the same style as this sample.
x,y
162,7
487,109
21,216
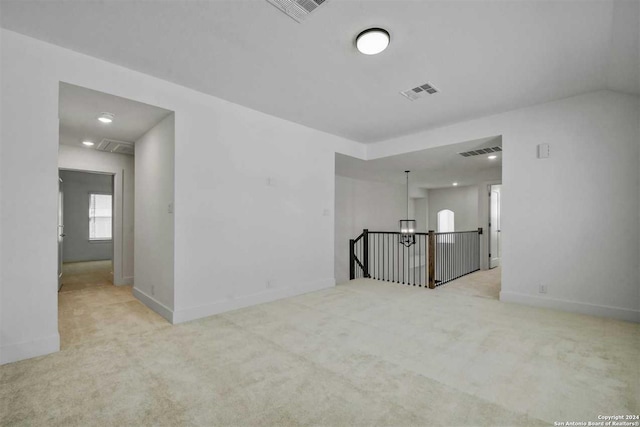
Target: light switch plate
x,y
544,151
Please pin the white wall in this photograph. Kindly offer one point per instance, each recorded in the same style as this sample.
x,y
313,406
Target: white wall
x,y
421,206
77,186
363,204
154,229
571,221
122,168
1,199
463,201
226,256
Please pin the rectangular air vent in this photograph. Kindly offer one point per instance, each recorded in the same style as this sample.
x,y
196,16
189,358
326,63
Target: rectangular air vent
x,y
119,147
420,91
481,151
297,9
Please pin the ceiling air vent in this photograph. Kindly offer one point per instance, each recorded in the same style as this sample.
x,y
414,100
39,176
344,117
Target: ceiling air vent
x,y
119,147
481,151
297,9
420,91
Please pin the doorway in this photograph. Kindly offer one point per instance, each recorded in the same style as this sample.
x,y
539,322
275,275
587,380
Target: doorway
x,y
85,220
109,148
495,231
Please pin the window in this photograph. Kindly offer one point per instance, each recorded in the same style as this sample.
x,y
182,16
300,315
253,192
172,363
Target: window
x,y
446,221
100,213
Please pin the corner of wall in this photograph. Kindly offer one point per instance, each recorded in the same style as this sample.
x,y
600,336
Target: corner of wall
x,y
28,349
155,305
124,281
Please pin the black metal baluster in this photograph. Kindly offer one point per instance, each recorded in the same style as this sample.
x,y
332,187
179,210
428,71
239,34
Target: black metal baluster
x,y
449,251
393,261
413,260
403,261
388,248
397,271
420,259
375,256
382,256
457,258
446,258
412,270
443,247
378,256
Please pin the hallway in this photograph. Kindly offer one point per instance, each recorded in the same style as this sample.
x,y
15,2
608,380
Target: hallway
x,y
92,311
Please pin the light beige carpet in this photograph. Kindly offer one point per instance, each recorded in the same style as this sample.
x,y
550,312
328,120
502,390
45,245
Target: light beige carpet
x,y
367,353
92,311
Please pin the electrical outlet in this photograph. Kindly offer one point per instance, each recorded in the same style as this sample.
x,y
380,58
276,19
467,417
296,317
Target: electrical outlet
x,y
326,212
270,284
542,289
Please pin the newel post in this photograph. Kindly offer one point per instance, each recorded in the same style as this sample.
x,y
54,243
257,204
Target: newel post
x,y
432,259
352,259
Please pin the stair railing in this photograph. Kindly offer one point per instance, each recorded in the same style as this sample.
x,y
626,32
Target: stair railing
x,y
434,259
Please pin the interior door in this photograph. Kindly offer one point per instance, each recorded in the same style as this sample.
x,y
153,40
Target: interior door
x,y
495,244
60,229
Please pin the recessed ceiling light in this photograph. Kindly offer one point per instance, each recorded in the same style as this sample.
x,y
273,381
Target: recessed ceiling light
x,y
106,117
87,143
455,184
372,41
492,157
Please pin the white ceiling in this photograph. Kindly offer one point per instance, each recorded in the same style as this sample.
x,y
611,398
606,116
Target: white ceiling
x,y
485,56
437,167
79,109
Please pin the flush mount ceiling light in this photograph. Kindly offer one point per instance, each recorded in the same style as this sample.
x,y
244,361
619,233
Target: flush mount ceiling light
x,y
106,117
493,157
87,143
372,41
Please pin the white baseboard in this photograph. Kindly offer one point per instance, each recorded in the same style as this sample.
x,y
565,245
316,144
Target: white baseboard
x,y
154,304
28,349
193,313
572,306
123,281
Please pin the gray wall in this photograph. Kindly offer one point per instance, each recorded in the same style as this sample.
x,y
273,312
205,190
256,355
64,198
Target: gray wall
x,y
463,201
154,224
77,186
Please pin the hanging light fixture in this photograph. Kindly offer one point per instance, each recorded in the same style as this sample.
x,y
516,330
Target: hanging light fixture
x,y
407,226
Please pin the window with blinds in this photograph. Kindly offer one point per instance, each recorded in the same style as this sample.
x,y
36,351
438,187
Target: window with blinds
x,y
100,216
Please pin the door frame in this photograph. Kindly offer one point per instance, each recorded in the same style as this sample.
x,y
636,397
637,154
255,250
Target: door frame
x,y
489,227
117,228
60,229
